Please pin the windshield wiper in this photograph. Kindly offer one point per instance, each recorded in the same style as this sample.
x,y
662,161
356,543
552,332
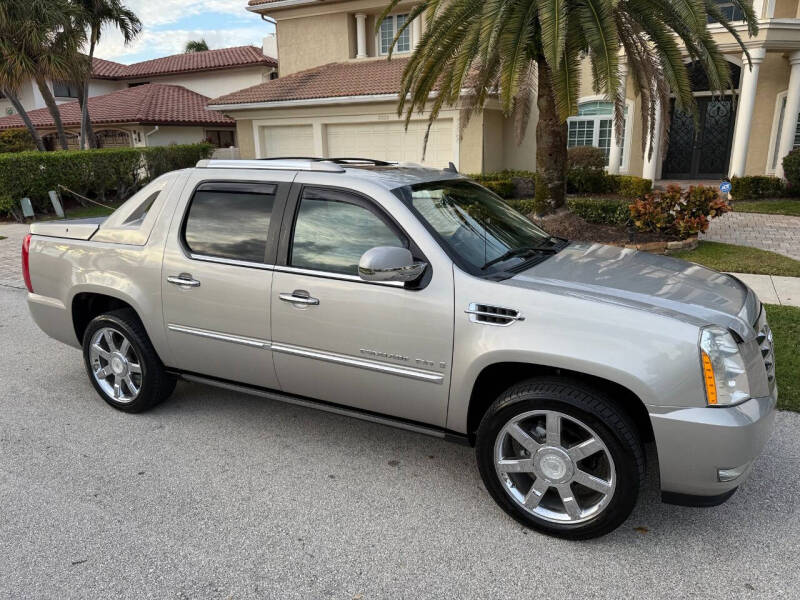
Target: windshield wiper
x,y
521,251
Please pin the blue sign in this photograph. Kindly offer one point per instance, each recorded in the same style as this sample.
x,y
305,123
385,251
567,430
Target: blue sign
x,y
725,187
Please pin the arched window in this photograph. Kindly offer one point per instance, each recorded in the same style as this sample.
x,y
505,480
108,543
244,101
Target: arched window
x,y
593,126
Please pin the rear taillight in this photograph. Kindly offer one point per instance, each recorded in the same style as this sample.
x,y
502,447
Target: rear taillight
x,y
26,272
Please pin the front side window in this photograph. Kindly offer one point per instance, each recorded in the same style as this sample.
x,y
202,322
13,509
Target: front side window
x,y
65,89
333,230
230,223
593,126
388,30
475,225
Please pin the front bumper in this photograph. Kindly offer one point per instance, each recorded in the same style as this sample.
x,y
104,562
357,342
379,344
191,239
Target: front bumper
x,y
696,444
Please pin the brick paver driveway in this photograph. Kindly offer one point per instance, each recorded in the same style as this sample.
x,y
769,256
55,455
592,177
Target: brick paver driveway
x,y
10,266
778,233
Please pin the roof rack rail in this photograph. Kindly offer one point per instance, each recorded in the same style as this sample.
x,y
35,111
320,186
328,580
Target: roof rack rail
x,y
346,160
280,164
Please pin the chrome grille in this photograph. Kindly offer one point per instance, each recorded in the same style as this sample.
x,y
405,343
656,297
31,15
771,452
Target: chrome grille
x,y
493,315
766,344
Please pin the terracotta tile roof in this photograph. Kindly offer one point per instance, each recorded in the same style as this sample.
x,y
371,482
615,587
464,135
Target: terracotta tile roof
x,y
362,78
151,104
209,60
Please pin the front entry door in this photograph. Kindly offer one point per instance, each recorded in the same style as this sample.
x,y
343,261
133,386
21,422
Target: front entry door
x,y
701,152
379,347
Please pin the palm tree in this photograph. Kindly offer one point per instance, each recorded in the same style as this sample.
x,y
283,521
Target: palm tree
x,y
196,46
96,14
36,43
519,49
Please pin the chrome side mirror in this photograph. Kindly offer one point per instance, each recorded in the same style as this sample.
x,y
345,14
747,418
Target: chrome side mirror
x,y
388,263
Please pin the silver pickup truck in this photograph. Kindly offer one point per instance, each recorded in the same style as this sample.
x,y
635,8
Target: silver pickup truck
x,y
416,298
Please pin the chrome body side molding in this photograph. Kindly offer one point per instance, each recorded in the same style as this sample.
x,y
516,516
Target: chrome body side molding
x,y
222,337
381,367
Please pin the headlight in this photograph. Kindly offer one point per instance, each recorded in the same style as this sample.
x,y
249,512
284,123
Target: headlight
x,y
724,373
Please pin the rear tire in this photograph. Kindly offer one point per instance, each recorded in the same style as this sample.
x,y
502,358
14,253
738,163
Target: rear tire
x,y
122,364
561,458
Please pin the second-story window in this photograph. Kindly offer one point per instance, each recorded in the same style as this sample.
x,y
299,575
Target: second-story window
x,y
65,89
389,28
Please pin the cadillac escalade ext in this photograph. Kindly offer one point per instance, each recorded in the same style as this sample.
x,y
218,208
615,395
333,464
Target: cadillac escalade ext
x,y
416,298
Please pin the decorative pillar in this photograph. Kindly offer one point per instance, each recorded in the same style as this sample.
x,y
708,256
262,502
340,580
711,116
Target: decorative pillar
x,y
650,169
744,112
416,30
361,35
615,153
790,112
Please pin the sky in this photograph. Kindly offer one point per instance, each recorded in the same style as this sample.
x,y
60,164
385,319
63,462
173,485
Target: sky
x,y
169,24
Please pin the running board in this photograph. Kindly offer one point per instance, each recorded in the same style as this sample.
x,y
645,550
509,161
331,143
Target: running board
x,y
331,408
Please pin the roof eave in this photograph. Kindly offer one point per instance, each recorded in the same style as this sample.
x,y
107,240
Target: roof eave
x,y
257,8
306,102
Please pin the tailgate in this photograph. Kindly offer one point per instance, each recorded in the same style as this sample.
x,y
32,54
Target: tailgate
x,y
77,229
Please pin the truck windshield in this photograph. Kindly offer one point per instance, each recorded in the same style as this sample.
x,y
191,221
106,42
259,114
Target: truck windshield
x,y
476,226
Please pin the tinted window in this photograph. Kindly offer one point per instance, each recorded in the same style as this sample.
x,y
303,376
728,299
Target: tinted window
x,y
331,234
229,224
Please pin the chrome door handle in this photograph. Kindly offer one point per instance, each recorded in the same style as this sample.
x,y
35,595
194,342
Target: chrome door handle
x,y
183,279
299,297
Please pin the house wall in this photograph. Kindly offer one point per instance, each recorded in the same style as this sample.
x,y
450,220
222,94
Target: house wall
x,y
773,78
245,138
520,157
211,83
314,40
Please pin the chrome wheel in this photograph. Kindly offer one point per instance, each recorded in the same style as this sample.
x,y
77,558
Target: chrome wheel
x,y
116,367
554,466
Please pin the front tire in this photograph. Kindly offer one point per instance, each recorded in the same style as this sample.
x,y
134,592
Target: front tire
x,y
122,364
560,458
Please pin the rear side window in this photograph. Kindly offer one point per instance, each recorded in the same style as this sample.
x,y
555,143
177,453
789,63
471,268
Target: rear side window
x,y
333,230
230,221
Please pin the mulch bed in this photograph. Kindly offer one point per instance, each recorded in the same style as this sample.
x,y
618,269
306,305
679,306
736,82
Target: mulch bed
x,y
572,227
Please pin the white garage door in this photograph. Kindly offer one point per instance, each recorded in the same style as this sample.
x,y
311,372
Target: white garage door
x,y
287,140
391,141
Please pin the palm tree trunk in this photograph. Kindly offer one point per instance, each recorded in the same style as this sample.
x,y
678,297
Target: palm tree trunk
x,y
86,123
37,139
551,140
52,106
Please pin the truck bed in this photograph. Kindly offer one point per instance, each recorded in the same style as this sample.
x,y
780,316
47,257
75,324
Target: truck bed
x,y
74,229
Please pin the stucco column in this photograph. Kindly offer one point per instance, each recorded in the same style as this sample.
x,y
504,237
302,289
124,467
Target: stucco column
x,y
416,30
744,112
361,35
616,148
650,169
790,112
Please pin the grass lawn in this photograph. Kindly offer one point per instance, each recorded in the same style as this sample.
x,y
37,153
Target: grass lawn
x,y
741,259
82,212
785,324
773,207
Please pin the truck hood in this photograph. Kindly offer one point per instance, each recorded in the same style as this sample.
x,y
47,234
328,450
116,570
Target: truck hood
x,y
659,284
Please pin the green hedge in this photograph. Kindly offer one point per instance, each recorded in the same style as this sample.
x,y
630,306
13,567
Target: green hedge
x,y
525,207
791,170
94,173
755,187
630,186
507,183
608,211
16,140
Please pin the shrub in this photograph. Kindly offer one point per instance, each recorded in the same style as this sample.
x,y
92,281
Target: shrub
x,y
754,187
791,170
630,186
608,211
682,213
502,187
586,157
585,171
120,171
525,207
507,183
16,140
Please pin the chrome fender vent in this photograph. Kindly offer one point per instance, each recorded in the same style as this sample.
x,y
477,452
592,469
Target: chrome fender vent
x,y
493,315
766,345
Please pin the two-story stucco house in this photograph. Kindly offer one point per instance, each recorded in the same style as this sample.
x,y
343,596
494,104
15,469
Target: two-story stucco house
x,y
151,103
337,96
